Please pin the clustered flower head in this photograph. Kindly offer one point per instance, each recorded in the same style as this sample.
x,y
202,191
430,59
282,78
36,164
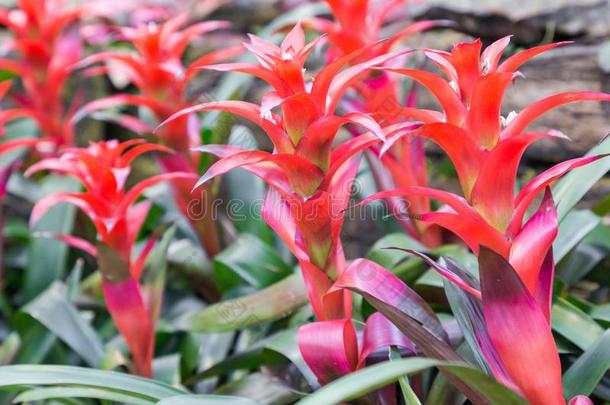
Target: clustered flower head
x,y
46,44
103,169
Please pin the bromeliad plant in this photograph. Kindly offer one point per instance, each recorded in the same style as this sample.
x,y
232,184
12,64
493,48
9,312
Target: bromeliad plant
x,y
103,169
490,337
515,254
45,44
156,68
310,179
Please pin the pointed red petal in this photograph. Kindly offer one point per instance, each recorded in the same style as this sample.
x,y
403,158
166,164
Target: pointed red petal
x,y
464,221
474,232
514,62
213,57
342,81
423,115
454,109
323,80
293,41
139,150
254,161
465,58
249,111
134,193
457,203
118,100
483,120
465,153
531,245
544,285
340,189
530,191
519,331
493,192
17,143
83,201
73,241
535,110
276,214
493,53
254,70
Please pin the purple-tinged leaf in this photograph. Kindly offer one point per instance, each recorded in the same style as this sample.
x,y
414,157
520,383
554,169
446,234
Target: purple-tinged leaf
x,y
519,331
330,348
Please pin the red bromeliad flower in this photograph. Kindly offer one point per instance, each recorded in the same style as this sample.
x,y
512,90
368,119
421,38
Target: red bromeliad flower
x,y
158,72
46,48
491,219
103,169
310,179
359,24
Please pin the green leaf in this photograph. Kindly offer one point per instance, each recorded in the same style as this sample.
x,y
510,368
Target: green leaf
x,y
6,75
251,260
36,340
574,185
143,388
574,324
167,368
207,400
41,394
465,309
271,303
265,351
47,257
189,260
56,313
408,394
601,312
574,228
261,387
580,263
155,270
583,376
368,379
246,192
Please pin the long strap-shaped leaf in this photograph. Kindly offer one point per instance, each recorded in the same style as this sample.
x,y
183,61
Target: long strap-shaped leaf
x,y
366,380
583,376
85,377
